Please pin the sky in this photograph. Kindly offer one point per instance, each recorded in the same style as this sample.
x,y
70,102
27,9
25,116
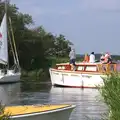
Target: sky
x,y
91,25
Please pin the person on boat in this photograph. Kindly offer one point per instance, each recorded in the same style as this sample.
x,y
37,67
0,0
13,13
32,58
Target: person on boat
x,y
86,58
102,58
108,58
92,57
72,56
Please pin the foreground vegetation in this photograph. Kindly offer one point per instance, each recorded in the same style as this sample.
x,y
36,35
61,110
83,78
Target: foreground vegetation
x,y
111,95
2,115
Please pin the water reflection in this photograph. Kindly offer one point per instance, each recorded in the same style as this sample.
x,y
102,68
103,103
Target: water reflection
x,y
35,86
9,93
88,101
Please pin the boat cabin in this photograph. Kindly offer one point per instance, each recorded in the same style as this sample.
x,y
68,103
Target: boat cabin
x,y
90,67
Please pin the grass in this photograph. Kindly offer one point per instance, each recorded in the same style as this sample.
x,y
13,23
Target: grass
x,y
111,95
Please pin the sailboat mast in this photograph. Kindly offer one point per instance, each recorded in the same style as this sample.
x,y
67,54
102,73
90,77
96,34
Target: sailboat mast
x,y
13,46
7,3
14,42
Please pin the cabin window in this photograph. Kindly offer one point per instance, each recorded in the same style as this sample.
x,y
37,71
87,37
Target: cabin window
x,y
80,68
91,68
61,67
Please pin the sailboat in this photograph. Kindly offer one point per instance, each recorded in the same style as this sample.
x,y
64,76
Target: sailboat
x,y
7,74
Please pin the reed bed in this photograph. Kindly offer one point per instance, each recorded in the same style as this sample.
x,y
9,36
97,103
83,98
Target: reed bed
x,y
111,95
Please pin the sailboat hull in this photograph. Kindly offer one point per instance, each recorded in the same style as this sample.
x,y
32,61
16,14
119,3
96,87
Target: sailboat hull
x,y
10,78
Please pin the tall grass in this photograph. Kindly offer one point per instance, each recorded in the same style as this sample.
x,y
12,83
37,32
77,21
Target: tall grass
x,y
3,116
111,95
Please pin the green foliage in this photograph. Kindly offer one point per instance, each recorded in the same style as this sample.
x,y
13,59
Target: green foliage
x,y
111,94
34,45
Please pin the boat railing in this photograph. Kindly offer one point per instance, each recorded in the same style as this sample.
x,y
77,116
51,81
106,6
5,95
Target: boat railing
x,y
102,68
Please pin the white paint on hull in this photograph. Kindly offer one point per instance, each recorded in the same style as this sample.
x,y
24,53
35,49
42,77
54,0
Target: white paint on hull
x,y
58,114
9,78
74,79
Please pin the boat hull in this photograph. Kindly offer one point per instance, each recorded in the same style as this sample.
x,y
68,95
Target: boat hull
x,y
75,79
10,78
55,114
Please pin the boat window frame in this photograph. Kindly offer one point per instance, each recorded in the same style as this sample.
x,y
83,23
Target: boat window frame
x,y
91,70
80,66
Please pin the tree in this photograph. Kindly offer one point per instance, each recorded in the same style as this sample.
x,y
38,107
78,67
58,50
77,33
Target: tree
x,y
62,46
36,45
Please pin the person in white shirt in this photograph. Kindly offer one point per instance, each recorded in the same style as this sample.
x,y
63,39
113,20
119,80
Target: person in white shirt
x,y
92,58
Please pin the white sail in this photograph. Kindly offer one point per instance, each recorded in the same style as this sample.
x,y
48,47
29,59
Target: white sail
x,y
3,42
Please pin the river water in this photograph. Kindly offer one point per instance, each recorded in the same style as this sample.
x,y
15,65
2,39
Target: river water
x,y
89,105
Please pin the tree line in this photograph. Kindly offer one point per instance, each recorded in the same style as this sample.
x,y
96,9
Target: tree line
x,y
35,46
